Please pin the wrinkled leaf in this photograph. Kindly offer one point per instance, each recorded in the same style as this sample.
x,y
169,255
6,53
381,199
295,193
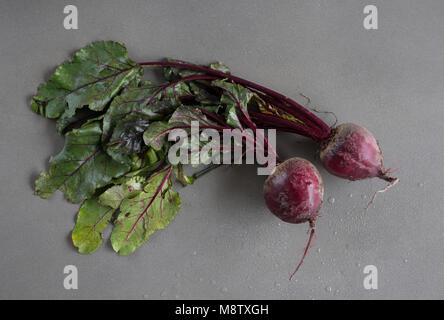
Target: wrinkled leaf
x,y
91,78
236,96
146,101
155,135
80,117
219,66
151,210
81,167
127,138
184,115
92,219
173,73
203,94
231,116
113,196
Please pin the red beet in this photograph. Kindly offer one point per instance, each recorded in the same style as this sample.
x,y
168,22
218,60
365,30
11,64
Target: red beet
x,y
353,153
294,193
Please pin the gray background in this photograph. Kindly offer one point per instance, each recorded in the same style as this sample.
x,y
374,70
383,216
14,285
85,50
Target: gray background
x,y
224,243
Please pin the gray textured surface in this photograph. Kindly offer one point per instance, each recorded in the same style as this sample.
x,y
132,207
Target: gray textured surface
x,y
224,243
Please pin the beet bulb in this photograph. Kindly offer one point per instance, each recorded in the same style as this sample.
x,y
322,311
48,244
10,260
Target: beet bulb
x,y
352,152
294,193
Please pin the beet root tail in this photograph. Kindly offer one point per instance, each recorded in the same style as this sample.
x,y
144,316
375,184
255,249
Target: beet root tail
x,y
310,239
391,182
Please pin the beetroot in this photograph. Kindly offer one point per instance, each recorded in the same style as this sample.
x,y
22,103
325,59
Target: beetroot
x,y
294,193
352,153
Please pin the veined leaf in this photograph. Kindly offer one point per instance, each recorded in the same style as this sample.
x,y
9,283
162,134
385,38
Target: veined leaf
x,y
114,196
173,73
235,96
155,135
146,101
81,116
231,116
181,176
81,167
184,115
92,77
219,66
92,219
127,138
202,94
151,210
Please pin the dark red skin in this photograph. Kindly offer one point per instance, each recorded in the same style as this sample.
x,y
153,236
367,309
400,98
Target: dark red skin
x,y
351,152
294,191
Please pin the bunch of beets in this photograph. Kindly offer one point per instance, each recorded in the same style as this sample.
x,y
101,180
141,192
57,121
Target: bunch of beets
x,y
116,125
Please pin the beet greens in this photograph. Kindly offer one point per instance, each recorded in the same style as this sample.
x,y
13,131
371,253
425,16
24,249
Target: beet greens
x,y
115,126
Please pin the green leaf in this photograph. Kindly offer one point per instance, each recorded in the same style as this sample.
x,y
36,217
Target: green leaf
x,y
155,135
181,176
145,101
184,115
113,196
127,138
219,66
235,96
92,219
203,94
81,116
92,77
81,167
231,116
151,210
173,73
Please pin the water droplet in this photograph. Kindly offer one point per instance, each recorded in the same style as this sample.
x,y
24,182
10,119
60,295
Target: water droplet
x,y
277,284
358,264
319,278
328,289
406,260
177,296
350,195
421,184
318,250
337,291
331,200
163,293
250,287
335,233
364,196
224,289
194,253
